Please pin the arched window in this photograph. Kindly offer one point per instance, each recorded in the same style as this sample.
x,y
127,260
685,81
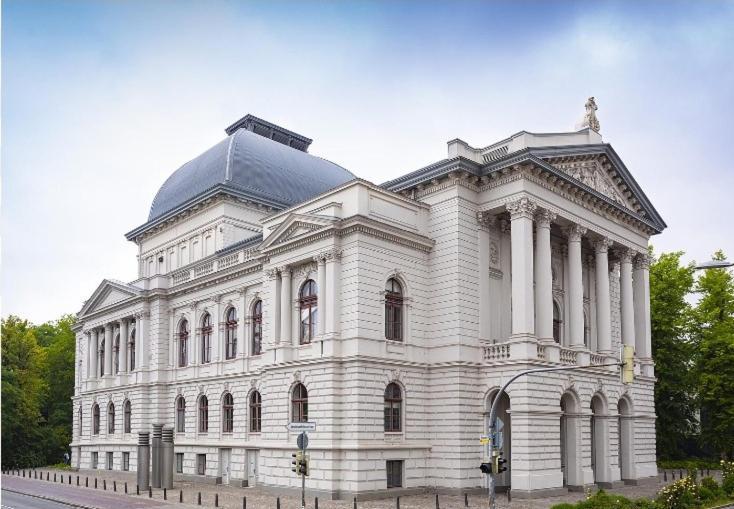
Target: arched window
x,y
111,418
227,413
556,323
255,412
203,414
183,342
132,350
231,334
257,327
95,419
206,338
127,413
393,310
116,353
308,305
180,415
299,403
393,407
101,357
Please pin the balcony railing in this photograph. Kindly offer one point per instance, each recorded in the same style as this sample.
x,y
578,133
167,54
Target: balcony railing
x,y
569,356
210,266
497,352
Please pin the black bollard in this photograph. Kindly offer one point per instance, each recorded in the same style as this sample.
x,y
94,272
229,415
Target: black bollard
x,y
277,503
77,480
216,500
244,503
95,483
86,482
466,500
180,496
509,495
114,486
315,503
397,503
69,480
150,491
665,476
198,499
137,489
23,473
437,506
104,484
54,476
125,487
680,474
165,495
355,503
47,474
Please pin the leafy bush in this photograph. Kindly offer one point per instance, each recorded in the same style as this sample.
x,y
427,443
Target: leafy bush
x,y
603,500
711,484
727,473
706,494
681,494
565,505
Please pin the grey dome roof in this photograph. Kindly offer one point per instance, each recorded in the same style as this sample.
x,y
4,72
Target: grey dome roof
x,y
252,166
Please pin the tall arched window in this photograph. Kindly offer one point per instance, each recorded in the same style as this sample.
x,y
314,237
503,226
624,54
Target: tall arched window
x,y
299,403
308,305
393,310
101,357
231,334
556,323
257,327
95,419
393,407
227,413
255,412
111,418
116,353
183,343
132,350
206,338
180,415
127,413
203,414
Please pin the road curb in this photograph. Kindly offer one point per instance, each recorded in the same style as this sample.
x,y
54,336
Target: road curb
x,y
51,499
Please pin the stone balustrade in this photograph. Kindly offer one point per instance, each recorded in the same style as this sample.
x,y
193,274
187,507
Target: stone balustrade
x,y
210,266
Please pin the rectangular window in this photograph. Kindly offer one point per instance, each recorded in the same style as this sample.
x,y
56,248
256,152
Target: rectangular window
x,y
201,464
95,460
394,473
179,463
110,459
126,461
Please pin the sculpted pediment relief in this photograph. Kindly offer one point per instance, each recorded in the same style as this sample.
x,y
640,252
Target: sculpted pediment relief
x,y
595,174
295,226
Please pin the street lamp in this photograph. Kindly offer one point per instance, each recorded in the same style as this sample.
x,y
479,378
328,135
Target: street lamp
x,y
714,264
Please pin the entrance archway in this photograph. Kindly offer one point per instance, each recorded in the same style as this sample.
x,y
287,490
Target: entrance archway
x,y
504,480
626,445
569,440
600,441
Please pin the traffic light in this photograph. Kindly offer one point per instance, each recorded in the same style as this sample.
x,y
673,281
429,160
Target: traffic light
x,y
627,360
501,462
296,462
486,468
303,468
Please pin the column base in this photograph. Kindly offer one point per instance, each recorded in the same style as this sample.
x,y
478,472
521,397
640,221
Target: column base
x,y
523,346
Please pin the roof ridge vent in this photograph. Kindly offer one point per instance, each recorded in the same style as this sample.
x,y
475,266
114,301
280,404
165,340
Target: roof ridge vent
x,y
271,131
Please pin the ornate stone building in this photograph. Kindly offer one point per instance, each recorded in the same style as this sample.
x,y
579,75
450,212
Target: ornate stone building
x,y
274,286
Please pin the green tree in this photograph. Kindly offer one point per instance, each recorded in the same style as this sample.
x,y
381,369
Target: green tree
x,y
670,283
714,337
23,386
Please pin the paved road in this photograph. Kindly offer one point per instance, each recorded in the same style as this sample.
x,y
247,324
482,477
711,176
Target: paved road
x,y
16,491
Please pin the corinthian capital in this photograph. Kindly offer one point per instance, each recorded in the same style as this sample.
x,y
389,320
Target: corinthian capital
x,y
602,245
486,219
271,274
544,218
285,271
575,232
642,261
625,255
523,207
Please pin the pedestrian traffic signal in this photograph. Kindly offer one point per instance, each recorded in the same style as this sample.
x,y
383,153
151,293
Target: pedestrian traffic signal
x,y
303,468
627,361
501,462
486,468
296,462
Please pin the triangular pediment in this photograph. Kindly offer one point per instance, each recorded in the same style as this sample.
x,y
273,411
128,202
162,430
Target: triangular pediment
x,y
107,294
296,226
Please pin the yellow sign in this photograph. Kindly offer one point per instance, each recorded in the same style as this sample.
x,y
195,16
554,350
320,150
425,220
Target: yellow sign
x,y
484,440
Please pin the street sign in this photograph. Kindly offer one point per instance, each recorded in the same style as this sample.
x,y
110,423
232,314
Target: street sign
x,y
301,426
484,439
302,441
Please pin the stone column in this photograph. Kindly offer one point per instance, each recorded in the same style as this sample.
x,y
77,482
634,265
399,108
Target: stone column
x,y
108,349
286,305
141,340
641,282
272,305
603,301
576,286
216,339
333,291
626,295
485,221
321,291
521,236
543,277
123,345
93,353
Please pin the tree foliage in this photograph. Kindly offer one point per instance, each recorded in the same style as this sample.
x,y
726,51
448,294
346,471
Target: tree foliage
x,y
37,385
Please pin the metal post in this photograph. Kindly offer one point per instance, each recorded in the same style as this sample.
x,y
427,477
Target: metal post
x,y
155,473
216,500
166,458
198,499
143,459
180,496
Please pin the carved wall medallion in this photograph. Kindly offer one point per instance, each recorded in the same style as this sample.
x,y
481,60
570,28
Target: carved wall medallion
x,y
296,376
396,375
253,383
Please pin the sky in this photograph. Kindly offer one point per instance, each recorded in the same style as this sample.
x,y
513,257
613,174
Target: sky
x,y
102,101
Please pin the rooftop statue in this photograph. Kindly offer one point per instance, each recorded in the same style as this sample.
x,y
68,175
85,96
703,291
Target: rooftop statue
x,y
590,119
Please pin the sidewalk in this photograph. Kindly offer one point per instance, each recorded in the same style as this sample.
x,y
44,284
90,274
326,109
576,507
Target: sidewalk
x,y
258,498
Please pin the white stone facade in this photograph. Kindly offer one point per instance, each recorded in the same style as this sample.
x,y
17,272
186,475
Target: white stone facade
x,y
528,253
